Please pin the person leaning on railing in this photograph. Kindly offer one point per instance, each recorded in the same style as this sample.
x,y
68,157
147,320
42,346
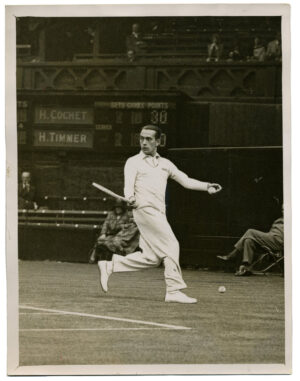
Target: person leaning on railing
x,y
119,234
134,42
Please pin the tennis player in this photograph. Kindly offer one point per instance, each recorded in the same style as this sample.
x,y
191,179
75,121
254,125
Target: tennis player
x,y
146,176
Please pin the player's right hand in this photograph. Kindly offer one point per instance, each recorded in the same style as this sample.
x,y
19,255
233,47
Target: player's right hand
x,y
132,202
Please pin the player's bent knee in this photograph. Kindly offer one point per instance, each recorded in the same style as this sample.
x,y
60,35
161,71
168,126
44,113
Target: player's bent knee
x,y
155,262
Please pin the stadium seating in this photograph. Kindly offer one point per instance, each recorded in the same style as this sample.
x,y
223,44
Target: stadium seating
x,y
62,235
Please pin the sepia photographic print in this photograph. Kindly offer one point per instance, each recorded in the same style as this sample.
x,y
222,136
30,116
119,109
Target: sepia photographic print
x,y
148,189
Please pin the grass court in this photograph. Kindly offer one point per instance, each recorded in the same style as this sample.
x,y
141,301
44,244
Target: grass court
x,y
66,319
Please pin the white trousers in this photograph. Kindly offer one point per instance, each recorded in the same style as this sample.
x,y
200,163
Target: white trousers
x,y
158,243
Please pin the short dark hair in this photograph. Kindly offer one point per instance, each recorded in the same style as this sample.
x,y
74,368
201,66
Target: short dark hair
x,y
156,129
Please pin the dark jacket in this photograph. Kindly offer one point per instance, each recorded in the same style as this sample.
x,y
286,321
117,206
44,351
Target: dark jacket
x,y
26,197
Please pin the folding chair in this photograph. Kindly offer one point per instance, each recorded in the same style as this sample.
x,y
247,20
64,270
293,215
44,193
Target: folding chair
x,y
274,258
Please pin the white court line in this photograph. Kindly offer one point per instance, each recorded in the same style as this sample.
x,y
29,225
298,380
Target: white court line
x,y
39,313
106,317
93,329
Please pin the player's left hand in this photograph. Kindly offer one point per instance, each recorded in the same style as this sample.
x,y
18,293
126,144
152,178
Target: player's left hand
x,y
214,188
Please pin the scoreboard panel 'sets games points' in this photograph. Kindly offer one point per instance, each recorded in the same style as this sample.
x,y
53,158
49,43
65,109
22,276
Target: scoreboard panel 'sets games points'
x,y
102,126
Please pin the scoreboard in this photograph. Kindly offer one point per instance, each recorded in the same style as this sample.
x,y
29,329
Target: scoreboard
x,y
117,124
101,126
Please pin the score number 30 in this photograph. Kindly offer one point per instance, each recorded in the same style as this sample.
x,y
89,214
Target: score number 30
x,y
159,117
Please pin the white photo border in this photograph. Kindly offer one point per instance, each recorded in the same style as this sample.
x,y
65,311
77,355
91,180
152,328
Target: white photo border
x,y
12,12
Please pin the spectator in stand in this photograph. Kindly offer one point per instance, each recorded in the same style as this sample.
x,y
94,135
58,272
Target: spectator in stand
x,y
274,49
119,234
259,51
235,51
254,241
26,193
131,55
134,41
215,49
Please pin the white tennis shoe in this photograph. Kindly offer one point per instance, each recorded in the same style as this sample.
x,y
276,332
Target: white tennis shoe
x,y
105,270
179,297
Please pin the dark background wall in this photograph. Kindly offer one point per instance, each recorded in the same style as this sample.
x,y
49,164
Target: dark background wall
x,y
65,36
225,124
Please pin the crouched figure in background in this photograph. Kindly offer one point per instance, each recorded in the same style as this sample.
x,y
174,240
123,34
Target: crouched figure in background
x,y
119,234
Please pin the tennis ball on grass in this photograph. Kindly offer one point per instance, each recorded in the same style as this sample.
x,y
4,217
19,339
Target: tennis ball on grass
x,y
222,289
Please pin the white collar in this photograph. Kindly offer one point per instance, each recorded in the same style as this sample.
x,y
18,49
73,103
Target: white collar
x,y
144,156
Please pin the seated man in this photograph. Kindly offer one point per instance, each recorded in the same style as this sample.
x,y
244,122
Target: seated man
x,y
259,51
134,42
215,49
26,193
274,48
119,234
253,241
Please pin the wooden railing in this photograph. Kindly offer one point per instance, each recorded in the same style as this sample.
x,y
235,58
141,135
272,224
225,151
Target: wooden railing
x,y
81,219
190,75
69,203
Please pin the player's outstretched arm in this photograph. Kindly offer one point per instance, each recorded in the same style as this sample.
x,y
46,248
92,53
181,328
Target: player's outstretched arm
x,y
194,184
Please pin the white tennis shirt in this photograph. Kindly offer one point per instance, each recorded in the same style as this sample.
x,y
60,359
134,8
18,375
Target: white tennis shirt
x,y
146,179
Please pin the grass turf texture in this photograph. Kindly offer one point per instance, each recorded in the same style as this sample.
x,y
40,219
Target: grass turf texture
x,y
243,325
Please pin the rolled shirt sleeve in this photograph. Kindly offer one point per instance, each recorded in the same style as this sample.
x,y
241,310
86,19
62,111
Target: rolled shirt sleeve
x,y
130,172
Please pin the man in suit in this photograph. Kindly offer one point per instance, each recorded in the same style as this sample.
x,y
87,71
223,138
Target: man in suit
x,y
254,241
26,194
